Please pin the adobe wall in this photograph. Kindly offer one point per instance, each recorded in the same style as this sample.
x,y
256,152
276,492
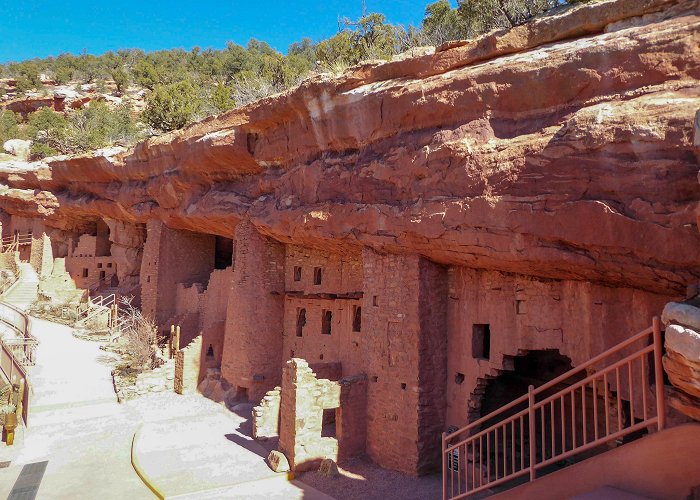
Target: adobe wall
x,y
577,318
252,358
340,274
171,257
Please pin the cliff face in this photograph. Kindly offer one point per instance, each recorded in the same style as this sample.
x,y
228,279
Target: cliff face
x,y
560,149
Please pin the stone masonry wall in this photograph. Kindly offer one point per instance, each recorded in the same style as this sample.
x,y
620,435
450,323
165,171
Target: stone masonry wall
x,y
266,415
41,257
340,274
391,307
187,367
85,265
252,357
172,257
578,319
304,397
432,365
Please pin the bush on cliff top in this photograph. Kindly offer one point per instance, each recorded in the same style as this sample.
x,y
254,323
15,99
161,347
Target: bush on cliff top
x,y
172,106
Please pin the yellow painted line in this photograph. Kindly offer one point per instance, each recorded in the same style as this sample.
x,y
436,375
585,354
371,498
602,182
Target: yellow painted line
x,y
139,472
281,476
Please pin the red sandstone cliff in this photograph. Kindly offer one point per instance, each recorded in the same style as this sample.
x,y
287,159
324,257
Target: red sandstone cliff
x,y
559,149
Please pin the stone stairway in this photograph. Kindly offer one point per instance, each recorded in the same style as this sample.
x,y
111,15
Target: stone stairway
x,y
25,292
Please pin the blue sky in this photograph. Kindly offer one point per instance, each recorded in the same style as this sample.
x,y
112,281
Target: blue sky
x,y
40,28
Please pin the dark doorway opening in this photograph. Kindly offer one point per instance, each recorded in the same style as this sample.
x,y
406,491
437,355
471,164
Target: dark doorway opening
x,y
223,256
329,423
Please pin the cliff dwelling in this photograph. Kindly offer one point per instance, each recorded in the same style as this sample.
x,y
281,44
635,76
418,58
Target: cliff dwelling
x,y
447,265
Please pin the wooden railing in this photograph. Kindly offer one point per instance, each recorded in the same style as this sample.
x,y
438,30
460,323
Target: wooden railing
x,y
545,427
12,243
17,351
96,306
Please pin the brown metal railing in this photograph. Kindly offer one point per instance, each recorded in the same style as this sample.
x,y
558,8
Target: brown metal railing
x,y
17,352
545,427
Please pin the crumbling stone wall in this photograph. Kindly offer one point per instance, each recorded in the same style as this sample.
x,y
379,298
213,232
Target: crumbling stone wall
x,y
254,323
127,252
304,397
213,316
41,255
266,415
187,367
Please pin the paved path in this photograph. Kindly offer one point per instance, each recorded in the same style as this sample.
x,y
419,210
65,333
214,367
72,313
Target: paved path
x,y
79,441
75,425
25,292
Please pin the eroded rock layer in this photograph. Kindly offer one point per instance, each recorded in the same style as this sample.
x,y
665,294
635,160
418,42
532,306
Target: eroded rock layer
x,y
560,149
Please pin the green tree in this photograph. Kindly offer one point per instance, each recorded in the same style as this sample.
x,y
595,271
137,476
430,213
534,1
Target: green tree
x,y
172,106
221,98
121,79
442,23
8,126
46,119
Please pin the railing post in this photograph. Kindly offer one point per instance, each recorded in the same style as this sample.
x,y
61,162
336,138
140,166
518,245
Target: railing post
x,y
444,466
659,374
172,341
531,422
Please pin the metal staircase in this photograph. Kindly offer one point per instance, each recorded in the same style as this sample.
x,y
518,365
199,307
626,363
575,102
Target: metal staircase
x,y
544,430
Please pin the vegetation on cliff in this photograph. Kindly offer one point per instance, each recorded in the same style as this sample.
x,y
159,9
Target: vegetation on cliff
x,y
185,86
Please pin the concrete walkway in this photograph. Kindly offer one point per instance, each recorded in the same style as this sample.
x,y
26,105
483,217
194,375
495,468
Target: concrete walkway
x,y
210,455
76,426
79,441
25,292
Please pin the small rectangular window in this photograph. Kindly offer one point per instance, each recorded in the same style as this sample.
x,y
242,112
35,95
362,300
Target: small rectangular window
x,y
297,273
481,341
326,323
99,265
318,275
356,318
301,321
102,275
109,264
85,272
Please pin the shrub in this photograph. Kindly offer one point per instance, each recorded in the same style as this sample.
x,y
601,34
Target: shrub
x,y
8,126
39,150
139,335
172,106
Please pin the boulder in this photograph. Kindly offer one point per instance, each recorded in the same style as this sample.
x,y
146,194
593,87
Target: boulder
x,y
17,147
328,468
277,461
682,314
683,341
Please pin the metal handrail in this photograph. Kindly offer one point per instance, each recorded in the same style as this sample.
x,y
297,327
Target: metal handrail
x,y
512,448
19,353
